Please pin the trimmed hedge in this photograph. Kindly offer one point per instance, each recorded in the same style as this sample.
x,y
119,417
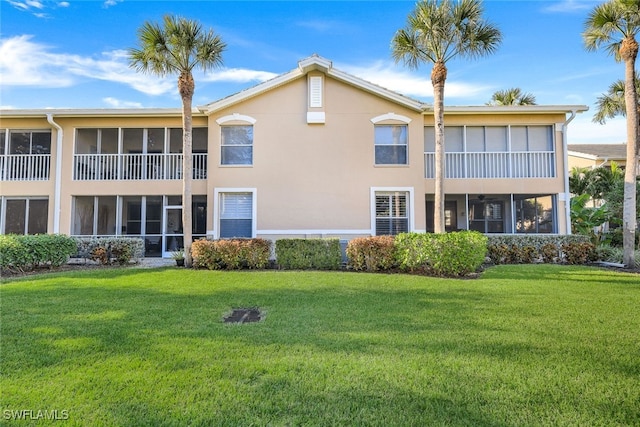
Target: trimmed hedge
x,y
105,250
304,254
232,254
376,253
26,252
449,254
532,248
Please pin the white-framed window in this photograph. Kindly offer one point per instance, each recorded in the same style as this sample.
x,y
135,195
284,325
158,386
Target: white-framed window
x,y
26,215
391,145
392,210
235,213
237,145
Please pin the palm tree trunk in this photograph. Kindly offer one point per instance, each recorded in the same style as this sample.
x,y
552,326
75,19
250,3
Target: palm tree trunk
x,y
186,87
438,77
629,52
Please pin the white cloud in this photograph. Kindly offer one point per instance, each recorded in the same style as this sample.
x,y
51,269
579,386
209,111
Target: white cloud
x,y
567,6
64,4
26,4
412,84
582,130
24,62
117,103
109,3
238,75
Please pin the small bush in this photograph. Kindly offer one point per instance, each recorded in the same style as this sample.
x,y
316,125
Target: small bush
x,y
99,254
579,253
550,253
498,253
450,254
26,252
104,250
302,254
376,253
231,254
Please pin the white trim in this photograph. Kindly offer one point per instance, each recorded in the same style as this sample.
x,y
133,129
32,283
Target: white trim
x,y
391,116
236,117
410,208
216,208
316,117
57,183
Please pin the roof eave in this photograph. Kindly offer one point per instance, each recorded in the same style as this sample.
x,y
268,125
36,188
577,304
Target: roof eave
x,y
67,112
511,109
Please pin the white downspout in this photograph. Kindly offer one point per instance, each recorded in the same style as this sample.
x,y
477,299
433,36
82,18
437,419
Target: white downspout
x,y
58,177
565,161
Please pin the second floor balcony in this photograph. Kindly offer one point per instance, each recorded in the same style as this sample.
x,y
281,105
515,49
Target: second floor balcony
x,y
25,167
530,164
135,167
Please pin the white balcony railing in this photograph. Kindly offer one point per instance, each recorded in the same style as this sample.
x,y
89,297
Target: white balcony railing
x,y
136,167
25,167
532,164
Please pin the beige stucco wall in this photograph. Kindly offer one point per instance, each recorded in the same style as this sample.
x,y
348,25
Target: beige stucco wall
x,y
315,176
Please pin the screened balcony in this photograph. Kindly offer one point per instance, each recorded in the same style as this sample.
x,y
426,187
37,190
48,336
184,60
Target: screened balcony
x,y
539,164
136,154
493,152
135,167
25,155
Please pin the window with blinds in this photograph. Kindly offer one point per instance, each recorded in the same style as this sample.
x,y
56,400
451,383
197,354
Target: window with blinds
x,y
236,210
391,213
237,145
391,145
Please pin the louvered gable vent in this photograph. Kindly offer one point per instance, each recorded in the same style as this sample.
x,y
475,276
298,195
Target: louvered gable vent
x,y
315,92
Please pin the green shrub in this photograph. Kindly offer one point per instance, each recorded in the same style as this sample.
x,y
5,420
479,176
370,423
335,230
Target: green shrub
x,y
26,252
231,254
302,254
450,254
377,253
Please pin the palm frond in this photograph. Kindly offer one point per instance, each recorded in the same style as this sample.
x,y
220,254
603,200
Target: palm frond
x,y
178,46
438,30
612,103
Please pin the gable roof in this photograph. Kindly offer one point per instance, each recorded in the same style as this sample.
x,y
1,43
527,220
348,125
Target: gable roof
x,y
599,151
306,65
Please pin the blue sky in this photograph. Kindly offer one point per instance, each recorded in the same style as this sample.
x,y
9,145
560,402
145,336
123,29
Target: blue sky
x,y
72,54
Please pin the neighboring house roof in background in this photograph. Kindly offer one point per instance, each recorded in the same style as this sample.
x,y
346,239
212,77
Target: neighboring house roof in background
x,y
599,151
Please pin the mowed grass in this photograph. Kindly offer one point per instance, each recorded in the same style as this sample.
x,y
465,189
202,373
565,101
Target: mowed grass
x,y
522,345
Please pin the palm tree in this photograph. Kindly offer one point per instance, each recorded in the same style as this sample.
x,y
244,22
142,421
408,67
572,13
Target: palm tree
x,y
614,25
512,96
177,48
437,31
611,104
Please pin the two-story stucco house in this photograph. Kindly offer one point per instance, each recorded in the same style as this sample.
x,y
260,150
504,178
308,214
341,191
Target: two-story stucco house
x,y
313,152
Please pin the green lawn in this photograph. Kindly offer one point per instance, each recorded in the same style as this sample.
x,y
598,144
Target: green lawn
x,y
522,345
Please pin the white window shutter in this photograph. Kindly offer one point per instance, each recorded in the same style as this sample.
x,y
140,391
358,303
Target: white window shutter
x,y
315,92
